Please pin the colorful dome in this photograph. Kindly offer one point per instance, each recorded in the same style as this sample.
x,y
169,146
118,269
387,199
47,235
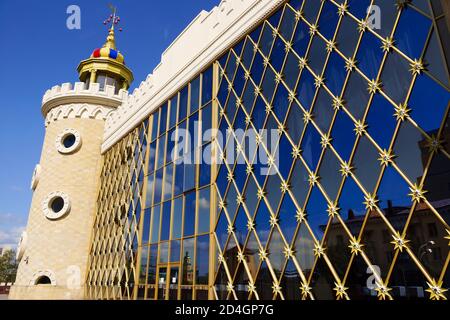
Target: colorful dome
x,y
108,53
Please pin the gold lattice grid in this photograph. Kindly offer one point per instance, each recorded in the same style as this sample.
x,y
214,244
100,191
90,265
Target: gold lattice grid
x,y
386,157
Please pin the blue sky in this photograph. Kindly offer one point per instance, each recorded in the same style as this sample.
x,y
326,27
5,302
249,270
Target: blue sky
x,y
38,52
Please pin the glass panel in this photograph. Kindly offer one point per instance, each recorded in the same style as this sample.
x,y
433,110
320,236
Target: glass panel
x,y
165,225
177,217
175,247
411,33
203,210
195,94
189,213
188,262
163,252
202,265
155,224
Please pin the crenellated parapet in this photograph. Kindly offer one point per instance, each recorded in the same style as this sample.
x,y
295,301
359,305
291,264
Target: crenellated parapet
x,y
69,96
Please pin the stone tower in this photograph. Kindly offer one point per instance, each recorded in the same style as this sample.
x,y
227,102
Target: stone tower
x,y
53,251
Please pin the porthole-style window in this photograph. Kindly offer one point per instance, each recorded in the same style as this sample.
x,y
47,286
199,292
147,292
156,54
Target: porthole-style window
x,y
56,205
68,141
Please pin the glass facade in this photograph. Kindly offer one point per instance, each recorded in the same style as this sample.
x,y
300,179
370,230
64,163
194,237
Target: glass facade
x,y
349,200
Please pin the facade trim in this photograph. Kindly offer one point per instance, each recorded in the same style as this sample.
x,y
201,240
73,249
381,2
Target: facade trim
x,y
208,36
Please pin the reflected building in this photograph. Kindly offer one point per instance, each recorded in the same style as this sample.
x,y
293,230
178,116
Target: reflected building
x,y
339,188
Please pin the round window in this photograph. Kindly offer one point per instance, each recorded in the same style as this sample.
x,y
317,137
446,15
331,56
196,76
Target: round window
x,y
56,205
68,141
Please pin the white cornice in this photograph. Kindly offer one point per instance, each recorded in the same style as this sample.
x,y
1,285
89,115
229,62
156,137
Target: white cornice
x,y
67,94
206,37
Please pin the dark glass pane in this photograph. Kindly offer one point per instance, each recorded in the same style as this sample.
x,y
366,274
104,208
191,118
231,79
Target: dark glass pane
x,y
359,8
317,55
251,253
165,225
266,41
428,103
356,95
435,59
155,224
311,147
411,151
330,176
328,20
323,110
337,242
287,220
370,55
163,119
389,12
264,283
262,225
311,9
367,167
352,208
276,256
316,210
195,94
411,33
291,282
427,240
202,264
396,77
273,191
335,74
394,200
322,282
294,123
287,23
301,39
173,111
357,280
280,102
183,104
406,279
299,182
221,230
188,262
342,135
278,54
155,125
380,121
146,226
291,71
175,247
177,217
347,36
203,211
240,226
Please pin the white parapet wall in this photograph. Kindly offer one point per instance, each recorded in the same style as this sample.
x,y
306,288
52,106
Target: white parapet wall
x,y
203,40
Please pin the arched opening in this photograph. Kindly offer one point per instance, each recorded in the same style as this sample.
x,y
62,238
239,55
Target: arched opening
x,y
43,280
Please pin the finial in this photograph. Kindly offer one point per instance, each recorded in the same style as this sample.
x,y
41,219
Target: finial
x,y
111,21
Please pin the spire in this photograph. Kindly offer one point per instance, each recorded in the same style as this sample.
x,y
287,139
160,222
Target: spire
x,y
110,40
113,19
107,62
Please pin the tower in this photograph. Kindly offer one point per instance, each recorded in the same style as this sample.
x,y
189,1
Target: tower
x,y
54,249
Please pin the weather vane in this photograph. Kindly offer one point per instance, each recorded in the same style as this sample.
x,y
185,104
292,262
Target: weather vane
x,y
113,19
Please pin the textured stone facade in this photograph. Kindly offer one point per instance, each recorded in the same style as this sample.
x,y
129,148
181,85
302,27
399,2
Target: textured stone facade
x,y
59,248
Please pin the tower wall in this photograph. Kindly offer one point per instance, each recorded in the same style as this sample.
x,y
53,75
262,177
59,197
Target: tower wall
x,y
57,247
